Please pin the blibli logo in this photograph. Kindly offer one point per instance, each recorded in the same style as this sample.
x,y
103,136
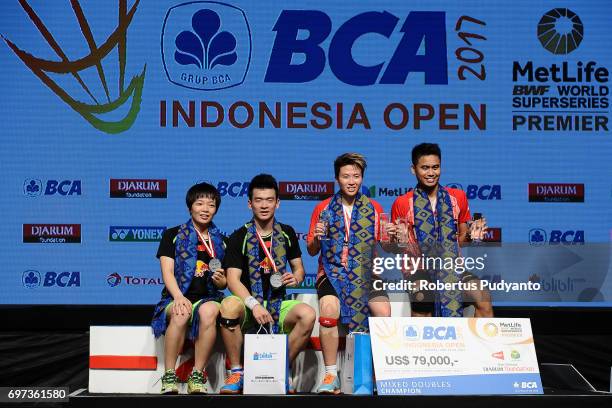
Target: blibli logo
x,y
419,27
262,356
439,333
36,187
206,45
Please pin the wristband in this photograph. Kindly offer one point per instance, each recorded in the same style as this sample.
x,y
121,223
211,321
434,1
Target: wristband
x,y
251,302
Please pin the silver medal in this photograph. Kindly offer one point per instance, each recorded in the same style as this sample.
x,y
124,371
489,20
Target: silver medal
x,y
276,280
214,264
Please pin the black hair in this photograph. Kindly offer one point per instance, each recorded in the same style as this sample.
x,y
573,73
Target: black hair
x,y
347,159
202,190
263,181
425,149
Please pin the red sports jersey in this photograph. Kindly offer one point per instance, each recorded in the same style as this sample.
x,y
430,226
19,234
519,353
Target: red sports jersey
x,y
404,206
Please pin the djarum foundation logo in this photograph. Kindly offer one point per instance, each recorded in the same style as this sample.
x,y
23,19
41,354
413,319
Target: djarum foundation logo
x,y
117,39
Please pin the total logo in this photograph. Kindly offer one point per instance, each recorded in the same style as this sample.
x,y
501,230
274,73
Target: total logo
x,y
539,236
32,279
33,187
115,279
480,192
498,355
206,45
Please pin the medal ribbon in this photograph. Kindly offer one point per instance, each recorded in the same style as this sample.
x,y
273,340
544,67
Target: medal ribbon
x,y
347,225
209,248
265,249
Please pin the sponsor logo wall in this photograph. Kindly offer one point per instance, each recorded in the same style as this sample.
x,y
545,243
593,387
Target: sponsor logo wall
x,y
112,110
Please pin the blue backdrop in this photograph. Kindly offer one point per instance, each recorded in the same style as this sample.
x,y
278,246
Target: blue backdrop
x,y
112,110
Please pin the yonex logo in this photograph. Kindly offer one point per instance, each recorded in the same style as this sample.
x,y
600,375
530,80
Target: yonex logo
x,y
135,234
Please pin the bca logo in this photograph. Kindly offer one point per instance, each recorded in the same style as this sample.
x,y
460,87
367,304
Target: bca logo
x,y
482,192
35,187
32,279
439,333
537,236
235,189
298,54
526,384
206,45
411,332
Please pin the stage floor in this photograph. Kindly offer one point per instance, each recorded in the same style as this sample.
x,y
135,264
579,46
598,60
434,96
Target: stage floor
x,y
556,398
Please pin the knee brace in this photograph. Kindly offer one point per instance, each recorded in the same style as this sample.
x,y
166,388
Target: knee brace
x,y
328,322
228,323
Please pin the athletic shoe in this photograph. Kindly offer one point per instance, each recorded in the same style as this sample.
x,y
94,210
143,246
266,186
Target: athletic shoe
x,y
233,384
331,385
197,383
169,382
